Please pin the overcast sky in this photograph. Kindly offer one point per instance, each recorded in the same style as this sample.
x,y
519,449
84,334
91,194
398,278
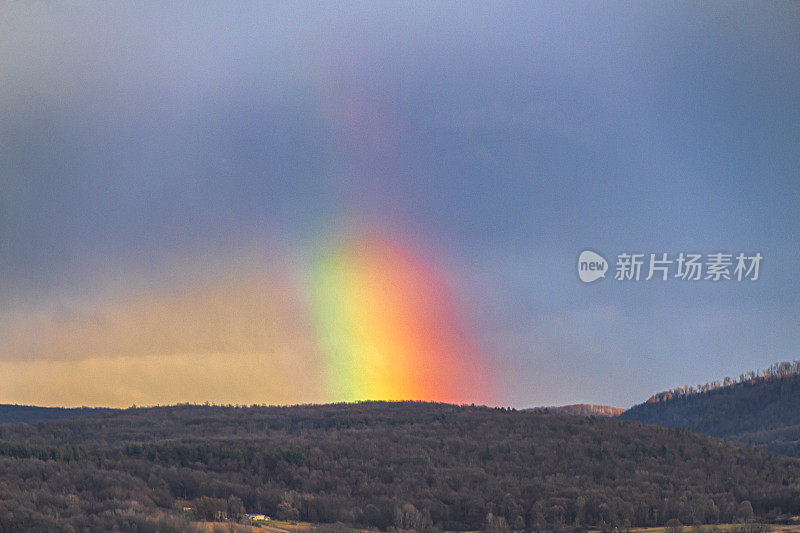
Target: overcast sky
x,y
150,155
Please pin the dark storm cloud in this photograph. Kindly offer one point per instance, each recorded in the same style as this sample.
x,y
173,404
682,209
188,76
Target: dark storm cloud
x,y
511,136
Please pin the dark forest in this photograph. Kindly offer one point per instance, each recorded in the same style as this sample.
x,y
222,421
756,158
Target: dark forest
x,y
380,465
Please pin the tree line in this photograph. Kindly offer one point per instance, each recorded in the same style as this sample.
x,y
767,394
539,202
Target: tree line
x,y
780,370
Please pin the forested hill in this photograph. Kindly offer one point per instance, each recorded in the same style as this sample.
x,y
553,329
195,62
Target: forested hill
x,y
406,465
582,409
763,411
30,413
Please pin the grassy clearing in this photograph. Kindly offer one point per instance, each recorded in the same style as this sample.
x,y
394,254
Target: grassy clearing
x,y
718,528
303,527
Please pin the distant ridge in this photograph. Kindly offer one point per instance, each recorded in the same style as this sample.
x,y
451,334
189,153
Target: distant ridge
x,y
583,409
29,413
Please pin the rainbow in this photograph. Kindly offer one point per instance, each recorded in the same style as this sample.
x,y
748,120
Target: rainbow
x,y
388,330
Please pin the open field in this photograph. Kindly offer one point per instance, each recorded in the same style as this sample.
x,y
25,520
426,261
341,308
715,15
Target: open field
x,y
279,526
718,528
224,527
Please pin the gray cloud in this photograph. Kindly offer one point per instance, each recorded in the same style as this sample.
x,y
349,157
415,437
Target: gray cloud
x,y
509,136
